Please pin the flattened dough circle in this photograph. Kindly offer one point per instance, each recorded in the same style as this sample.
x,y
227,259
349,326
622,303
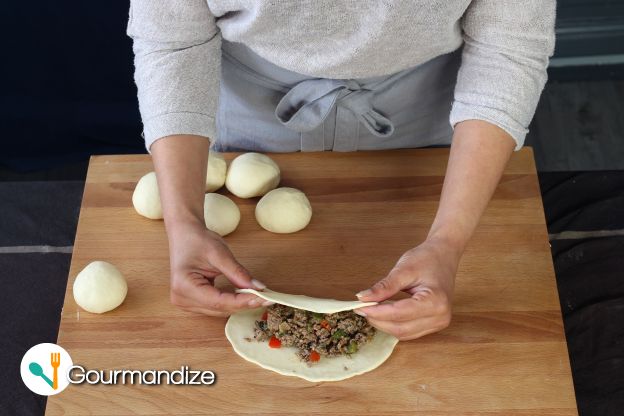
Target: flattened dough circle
x,y
239,330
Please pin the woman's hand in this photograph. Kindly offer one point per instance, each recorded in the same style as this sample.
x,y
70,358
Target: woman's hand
x,y
479,153
198,256
427,272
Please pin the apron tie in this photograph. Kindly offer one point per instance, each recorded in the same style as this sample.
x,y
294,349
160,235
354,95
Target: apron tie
x,y
307,105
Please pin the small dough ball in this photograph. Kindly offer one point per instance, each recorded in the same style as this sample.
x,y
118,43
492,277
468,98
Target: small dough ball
x,y
146,198
252,174
221,214
215,175
99,287
284,210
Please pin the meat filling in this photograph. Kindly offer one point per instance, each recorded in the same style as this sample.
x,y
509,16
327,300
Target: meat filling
x,y
314,335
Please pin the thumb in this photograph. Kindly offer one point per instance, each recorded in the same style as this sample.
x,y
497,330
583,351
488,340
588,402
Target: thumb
x,y
235,272
385,288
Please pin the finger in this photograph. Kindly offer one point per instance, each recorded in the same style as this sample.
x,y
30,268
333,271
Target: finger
x,y
409,329
202,293
185,296
234,271
192,304
208,312
213,298
386,287
399,311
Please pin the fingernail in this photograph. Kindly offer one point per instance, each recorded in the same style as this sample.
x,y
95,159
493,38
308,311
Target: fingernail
x,y
359,312
363,293
258,284
267,303
254,302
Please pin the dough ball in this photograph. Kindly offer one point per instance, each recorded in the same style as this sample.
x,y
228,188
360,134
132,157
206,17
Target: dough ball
x,y
215,176
221,214
99,287
284,210
252,174
146,198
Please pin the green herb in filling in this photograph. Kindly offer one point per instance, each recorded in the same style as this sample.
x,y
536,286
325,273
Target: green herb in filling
x,y
317,316
338,334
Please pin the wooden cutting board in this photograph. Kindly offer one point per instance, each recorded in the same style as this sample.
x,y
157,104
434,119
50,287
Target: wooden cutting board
x,y
504,353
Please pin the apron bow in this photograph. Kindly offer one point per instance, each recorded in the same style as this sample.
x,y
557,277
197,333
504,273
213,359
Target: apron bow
x,y
307,105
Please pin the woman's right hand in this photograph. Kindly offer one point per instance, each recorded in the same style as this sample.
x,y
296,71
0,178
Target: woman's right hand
x,y
197,257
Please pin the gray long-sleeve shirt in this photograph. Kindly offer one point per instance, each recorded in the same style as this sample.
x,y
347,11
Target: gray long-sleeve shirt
x,y
177,45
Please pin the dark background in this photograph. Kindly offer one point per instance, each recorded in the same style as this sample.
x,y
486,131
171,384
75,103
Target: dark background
x,y
66,92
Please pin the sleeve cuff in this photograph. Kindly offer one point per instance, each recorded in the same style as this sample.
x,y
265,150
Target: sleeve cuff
x,y
462,112
169,124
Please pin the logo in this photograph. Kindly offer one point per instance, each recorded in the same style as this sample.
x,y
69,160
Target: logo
x,y
44,369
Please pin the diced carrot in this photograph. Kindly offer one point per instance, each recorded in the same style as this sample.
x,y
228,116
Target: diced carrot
x,y
274,342
314,356
325,324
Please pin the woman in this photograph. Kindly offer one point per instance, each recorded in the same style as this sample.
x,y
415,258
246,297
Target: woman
x,y
337,75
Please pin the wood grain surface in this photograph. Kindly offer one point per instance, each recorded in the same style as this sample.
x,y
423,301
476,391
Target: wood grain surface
x,y
504,353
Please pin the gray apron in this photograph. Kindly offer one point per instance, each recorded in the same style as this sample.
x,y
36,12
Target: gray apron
x,y
266,108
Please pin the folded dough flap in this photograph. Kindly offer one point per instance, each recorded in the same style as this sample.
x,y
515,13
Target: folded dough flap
x,y
318,305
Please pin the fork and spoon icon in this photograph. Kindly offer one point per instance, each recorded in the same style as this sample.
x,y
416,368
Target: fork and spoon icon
x,y
55,361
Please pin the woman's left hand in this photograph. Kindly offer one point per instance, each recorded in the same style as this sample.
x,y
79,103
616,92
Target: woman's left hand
x,y
427,272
